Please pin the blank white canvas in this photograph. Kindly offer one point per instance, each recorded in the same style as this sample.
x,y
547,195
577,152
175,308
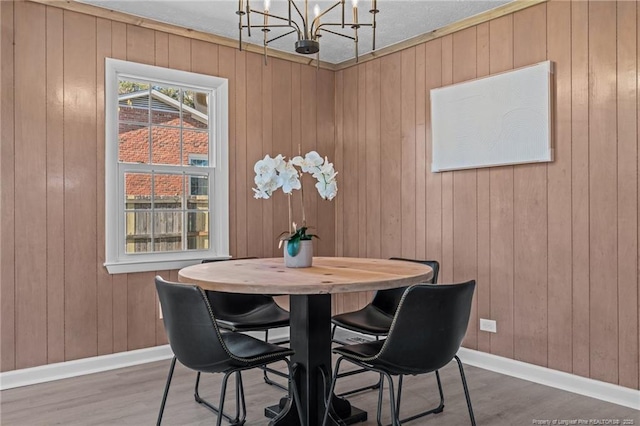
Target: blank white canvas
x,y
493,121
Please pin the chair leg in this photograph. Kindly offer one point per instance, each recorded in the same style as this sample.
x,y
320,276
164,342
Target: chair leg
x,y
466,391
440,407
223,392
166,391
265,369
241,406
380,395
199,400
436,410
330,395
395,421
374,386
399,395
293,388
358,371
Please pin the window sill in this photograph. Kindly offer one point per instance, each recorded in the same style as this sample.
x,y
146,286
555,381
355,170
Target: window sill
x,y
158,265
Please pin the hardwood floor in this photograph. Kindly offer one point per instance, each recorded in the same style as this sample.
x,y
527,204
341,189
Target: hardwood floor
x,y
131,396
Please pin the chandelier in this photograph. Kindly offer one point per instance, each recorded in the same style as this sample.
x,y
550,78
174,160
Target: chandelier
x,y
308,30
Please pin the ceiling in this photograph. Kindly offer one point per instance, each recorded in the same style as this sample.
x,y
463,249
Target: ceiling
x,y
398,20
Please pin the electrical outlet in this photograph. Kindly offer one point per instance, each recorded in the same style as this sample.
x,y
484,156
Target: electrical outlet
x,y
488,325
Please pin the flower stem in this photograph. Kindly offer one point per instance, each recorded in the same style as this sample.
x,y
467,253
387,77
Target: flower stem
x,y
291,230
304,218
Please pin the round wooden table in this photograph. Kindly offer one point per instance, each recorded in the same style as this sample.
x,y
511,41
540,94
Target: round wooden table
x,y
310,292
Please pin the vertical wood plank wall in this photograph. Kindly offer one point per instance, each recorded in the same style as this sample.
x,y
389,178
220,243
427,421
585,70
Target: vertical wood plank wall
x,y
58,302
553,247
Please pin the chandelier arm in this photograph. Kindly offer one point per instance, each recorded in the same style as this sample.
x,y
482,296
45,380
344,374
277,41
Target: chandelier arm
x,y
272,26
317,18
333,24
295,6
295,24
337,33
281,35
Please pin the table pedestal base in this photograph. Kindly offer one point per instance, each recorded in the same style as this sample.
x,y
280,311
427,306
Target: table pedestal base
x,y
356,416
311,340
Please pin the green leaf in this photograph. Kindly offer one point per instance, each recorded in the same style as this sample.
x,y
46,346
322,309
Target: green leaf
x,y
293,247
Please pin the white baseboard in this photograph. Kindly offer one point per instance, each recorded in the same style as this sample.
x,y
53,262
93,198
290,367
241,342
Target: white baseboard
x,y
556,379
533,373
80,367
545,376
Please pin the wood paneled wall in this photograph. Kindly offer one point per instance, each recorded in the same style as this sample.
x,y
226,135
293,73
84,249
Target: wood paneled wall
x,y
58,302
553,247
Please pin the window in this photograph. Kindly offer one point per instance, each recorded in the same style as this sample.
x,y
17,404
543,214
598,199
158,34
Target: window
x,y
166,167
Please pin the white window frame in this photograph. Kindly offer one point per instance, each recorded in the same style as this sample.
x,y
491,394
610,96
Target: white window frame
x,y
117,260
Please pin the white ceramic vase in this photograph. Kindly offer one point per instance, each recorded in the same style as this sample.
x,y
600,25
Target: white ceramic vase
x,y
303,259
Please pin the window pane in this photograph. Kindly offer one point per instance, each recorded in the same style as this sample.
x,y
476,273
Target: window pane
x,y
133,102
166,145
137,191
165,105
133,143
168,190
198,195
195,146
195,109
198,187
138,232
197,230
168,231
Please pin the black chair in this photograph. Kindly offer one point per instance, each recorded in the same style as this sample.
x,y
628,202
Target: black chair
x,y
425,335
375,318
247,312
198,343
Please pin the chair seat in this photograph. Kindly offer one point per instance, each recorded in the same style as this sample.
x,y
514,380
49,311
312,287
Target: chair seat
x,y
360,350
368,320
365,354
247,352
263,318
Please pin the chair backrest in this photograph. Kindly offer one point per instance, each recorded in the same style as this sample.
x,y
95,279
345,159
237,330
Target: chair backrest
x,y
190,325
226,305
428,327
387,300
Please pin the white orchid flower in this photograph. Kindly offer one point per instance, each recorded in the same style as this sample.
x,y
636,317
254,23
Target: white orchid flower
x,y
327,190
331,190
264,166
274,173
309,163
259,194
289,179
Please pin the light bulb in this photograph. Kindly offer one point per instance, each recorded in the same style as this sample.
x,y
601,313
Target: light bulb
x,y
354,3
316,10
267,4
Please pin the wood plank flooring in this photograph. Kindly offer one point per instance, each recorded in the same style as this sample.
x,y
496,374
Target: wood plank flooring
x,y
131,396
